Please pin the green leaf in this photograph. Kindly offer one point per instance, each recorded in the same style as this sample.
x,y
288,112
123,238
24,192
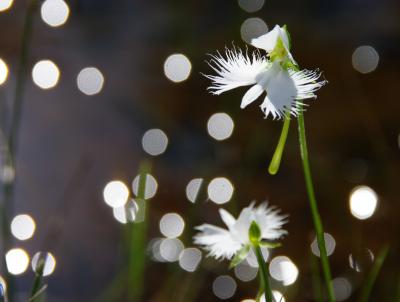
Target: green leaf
x,y
240,256
254,233
269,244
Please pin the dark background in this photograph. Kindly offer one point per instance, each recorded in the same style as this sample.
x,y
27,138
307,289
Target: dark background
x,y
71,145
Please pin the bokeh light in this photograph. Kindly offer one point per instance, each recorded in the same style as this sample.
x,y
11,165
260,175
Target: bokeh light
x,y
342,288
193,189
220,190
54,12
330,245
5,4
189,259
45,74
23,227
172,225
362,260
154,142
220,126
3,72
224,287
244,272
363,202
126,213
283,269
17,261
278,297
365,59
116,194
177,67
151,186
90,80
252,258
253,28
170,249
49,263
251,6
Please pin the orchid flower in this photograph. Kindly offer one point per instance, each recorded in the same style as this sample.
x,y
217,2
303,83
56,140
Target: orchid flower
x,y
275,73
236,240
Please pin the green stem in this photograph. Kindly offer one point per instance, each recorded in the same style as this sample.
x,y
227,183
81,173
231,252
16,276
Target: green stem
x,y
264,276
316,279
276,158
314,208
373,274
38,280
137,240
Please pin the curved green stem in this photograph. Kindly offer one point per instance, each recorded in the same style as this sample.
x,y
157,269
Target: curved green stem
x,y
276,158
373,274
314,208
263,274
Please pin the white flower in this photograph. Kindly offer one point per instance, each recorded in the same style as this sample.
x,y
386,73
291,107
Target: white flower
x,y
225,243
285,87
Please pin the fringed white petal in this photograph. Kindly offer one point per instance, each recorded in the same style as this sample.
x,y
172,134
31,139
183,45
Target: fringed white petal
x,y
235,69
217,241
306,82
270,222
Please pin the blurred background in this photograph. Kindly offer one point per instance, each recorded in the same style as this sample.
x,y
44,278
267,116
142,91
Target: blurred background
x,y
110,84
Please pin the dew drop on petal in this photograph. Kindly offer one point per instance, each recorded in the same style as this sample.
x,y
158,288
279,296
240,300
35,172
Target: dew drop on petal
x,y
220,126
17,261
45,74
193,189
330,245
220,190
49,262
224,287
253,28
189,259
90,81
283,269
54,12
23,227
177,67
151,186
365,59
363,202
116,194
155,142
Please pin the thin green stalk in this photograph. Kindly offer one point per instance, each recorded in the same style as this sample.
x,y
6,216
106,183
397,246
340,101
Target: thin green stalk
x,y
264,276
38,281
276,158
316,279
314,208
137,240
373,274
